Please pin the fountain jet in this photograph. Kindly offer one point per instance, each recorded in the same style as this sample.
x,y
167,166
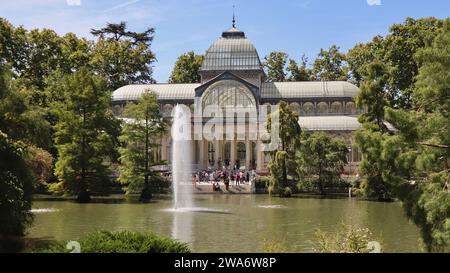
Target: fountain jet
x,y
181,158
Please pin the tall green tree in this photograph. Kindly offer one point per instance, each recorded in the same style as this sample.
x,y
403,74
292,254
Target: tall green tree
x,y
275,65
413,163
330,65
82,139
141,134
186,68
321,159
374,131
283,158
421,149
122,56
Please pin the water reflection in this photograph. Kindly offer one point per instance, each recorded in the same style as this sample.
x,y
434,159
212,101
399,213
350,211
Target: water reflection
x,y
182,226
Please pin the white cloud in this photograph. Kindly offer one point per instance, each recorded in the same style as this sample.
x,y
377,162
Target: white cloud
x,y
73,2
374,2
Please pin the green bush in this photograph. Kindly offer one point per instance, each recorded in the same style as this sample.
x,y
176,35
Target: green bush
x,y
346,239
121,242
56,188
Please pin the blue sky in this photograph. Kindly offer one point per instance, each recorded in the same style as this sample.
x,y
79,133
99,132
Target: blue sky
x,y
293,26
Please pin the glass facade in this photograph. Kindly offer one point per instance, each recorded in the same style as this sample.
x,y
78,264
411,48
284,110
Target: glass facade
x,y
228,94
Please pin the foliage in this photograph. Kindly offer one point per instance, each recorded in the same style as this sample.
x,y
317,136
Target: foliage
x,y
321,158
283,158
397,51
347,239
274,65
141,134
18,119
186,68
412,164
41,164
299,72
16,187
330,65
122,242
273,246
56,188
120,55
82,134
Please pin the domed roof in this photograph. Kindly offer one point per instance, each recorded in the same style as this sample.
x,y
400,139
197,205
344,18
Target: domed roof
x,y
232,51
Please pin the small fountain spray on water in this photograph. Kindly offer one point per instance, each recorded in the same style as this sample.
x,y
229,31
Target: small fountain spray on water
x,y
181,158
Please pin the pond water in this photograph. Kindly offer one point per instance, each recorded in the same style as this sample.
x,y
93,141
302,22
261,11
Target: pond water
x,y
230,223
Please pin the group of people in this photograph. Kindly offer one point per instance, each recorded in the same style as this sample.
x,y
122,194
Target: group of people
x,y
227,177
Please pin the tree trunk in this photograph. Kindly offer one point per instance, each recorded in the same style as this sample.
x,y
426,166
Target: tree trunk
x,y
146,194
83,195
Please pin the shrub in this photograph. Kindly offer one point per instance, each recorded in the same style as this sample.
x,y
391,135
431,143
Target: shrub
x,y
122,242
56,188
347,239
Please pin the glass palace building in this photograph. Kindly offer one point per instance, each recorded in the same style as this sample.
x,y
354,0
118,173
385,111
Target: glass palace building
x,y
232,76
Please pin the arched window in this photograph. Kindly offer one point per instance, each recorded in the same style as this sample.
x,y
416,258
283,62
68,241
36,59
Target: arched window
x,y
308,108
350,108
228,94
336,107
295,107
167,110
322,107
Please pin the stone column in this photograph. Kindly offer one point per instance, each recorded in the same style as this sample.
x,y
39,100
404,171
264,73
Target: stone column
x,y
233,152
164,155
216,152
202,153
194,152
248,154
259,156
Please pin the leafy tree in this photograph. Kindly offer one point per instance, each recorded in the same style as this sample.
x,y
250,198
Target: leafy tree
x,y
141,135
412,164
396,51
330,65
283,159
186,68
122,56
16,188
299,73
274,65
118,32
321,159
18,119
81,136
372,95
422,147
